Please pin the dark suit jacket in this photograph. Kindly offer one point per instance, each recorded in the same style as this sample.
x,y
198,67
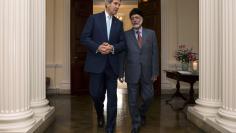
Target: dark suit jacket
x,y
140,62
94,34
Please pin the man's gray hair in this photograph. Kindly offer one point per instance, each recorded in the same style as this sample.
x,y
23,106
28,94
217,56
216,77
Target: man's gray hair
x,y
109,1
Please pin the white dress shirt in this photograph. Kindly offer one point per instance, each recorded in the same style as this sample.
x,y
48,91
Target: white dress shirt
x,y
108,23
140,31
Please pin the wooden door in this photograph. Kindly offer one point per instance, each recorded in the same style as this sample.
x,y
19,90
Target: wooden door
x,y
80,11
152,19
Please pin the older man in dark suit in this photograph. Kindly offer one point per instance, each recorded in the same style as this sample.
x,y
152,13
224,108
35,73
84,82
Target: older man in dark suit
x,y
140,65
103,35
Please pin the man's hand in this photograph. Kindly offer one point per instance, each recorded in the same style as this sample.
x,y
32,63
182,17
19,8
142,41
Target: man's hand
x,y
121,79
105,48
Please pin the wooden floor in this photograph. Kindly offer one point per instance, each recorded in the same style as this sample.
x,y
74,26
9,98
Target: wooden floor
x,y
75,114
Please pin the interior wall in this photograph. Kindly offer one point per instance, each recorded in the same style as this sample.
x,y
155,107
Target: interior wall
x,y
188,22
181,28
54,42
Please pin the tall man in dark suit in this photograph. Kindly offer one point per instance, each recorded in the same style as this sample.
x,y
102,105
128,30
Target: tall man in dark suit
x,y
140,64
103,35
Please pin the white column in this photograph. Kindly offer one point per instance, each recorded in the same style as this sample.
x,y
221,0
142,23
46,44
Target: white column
x,y
39,103
15,112
164,43
210,80
227,114
168,40
65,84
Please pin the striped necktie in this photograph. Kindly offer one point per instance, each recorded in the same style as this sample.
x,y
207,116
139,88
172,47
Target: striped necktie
x,y
139,38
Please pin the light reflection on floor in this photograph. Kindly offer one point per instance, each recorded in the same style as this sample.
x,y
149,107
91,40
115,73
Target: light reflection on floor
x,y
120,98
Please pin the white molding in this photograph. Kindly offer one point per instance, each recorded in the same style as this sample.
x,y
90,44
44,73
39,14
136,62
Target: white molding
x,y
164,42
65,84
52,90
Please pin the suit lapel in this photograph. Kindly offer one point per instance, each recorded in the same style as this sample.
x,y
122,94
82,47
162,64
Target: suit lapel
x,y
113,26
104,25
144,36
134,39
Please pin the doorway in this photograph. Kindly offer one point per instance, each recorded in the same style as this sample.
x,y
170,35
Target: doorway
x,y
81,10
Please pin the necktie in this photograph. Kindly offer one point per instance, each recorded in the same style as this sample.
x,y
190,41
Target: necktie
x,y
139,38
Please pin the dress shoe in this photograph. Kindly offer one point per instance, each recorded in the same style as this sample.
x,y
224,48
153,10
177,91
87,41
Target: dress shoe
x,y
143,120
135,130
109,131
101,121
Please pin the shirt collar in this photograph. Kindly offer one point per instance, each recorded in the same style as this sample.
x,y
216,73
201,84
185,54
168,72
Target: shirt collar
x,y
106,13
140,30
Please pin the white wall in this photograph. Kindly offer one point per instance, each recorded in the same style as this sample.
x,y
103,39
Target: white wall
x,y
188,21
54,42
180,24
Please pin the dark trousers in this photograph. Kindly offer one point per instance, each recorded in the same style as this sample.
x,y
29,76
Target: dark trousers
x,y
99,84
147,93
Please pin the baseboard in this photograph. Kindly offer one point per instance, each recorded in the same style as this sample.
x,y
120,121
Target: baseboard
x,y
58,91
183,91
163,91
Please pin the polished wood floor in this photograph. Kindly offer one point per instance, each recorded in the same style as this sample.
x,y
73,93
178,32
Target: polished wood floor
x,y
75,114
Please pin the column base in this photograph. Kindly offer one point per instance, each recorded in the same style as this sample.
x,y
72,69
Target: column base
x,y
40,108
34,125
47,120
226,120
217,124
30,129
17,122
205,109
200,121
220,128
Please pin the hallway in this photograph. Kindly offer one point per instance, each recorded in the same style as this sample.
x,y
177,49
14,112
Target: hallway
x,y
75,114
